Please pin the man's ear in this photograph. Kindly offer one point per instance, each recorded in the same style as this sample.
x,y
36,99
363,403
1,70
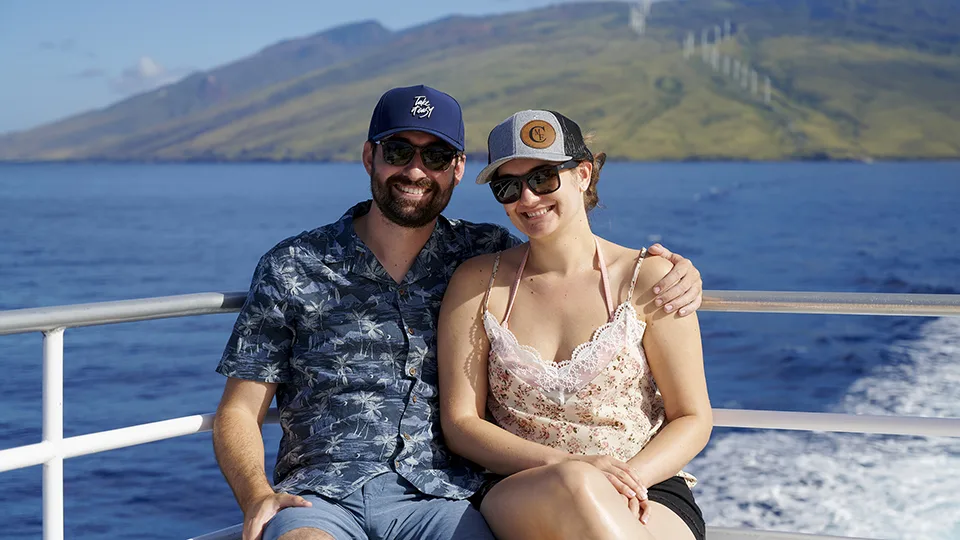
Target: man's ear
x,y
459,168
367,157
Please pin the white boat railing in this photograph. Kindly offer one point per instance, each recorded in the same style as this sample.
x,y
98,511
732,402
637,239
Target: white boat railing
x,y
54,448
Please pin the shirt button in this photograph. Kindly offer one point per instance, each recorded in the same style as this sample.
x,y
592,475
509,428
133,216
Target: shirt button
x,y
414,399
396,463
402,292
406,436
410,331
413,371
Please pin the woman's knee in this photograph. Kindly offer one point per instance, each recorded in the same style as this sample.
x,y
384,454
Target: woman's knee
x,y
556,486
576,477
578,484
587,502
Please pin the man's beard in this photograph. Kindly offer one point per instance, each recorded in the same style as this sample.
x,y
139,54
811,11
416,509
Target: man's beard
x,y
407,213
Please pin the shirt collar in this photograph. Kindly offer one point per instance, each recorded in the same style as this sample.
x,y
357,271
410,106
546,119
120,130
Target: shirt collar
x,y
435,255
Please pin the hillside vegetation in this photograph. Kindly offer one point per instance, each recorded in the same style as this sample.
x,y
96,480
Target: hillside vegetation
x,y
850,79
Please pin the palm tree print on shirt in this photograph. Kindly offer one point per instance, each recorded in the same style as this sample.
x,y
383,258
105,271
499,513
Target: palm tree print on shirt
x,y
353,357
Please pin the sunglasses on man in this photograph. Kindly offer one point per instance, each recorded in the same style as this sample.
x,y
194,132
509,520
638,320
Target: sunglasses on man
x,y
435,156
542,181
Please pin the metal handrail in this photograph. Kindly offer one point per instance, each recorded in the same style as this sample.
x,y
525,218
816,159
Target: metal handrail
x,y
52,321
836,303
725,533
73,316
919,426
91,443
35,454
19,321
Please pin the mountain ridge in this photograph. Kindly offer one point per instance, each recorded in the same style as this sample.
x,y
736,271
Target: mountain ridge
x,y
841,90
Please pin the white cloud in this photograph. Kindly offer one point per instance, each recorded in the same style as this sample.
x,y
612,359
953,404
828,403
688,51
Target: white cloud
x,y
146,75
149,68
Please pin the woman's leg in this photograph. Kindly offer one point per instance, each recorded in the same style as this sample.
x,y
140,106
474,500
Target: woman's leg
x,y
571,500
664,524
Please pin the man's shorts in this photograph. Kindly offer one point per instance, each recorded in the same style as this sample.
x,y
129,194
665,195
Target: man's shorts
x,y
386,507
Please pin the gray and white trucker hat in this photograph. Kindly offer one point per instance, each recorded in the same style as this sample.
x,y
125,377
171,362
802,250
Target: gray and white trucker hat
x,y
533,134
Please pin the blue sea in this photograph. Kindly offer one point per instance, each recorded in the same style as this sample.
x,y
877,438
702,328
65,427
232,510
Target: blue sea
x,y
94,232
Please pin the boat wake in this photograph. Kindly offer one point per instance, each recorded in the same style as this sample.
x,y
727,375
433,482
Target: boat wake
x,y
848,484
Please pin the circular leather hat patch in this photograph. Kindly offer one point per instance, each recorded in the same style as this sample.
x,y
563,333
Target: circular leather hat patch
x,y
538,134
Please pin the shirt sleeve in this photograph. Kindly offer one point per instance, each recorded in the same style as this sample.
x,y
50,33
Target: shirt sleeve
x,y
259,347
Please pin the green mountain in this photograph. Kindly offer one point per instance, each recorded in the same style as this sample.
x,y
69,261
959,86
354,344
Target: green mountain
x,y
848,79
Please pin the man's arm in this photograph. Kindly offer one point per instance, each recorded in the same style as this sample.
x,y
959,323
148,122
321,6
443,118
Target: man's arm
x,y
238,445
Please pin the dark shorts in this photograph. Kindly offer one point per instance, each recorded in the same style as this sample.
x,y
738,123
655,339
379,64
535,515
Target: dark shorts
x,y
675,495
477,498
672,493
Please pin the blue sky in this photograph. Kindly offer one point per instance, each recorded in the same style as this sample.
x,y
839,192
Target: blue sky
x,y
60,57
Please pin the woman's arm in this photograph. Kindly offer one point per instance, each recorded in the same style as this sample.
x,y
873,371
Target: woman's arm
x,y
674,351
462,353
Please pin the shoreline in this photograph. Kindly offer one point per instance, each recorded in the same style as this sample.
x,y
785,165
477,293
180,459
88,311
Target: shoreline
x,y
472,158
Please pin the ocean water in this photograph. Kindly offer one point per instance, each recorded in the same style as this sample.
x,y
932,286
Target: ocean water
x,y
88,233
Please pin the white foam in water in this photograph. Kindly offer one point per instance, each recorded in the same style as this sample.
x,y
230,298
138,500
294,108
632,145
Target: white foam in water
x,y
885,487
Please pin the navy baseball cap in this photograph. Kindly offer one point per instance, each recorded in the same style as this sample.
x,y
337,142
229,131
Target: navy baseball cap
x,y
418,108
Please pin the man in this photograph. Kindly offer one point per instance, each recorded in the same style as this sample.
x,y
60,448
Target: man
x,y
340,324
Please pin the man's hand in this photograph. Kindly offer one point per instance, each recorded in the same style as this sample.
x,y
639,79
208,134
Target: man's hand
x,y
682,287
260,512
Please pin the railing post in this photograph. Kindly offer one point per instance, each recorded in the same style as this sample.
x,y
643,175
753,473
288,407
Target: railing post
x,y
53,434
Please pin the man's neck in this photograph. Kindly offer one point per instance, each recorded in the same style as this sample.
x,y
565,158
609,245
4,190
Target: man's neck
x,y
394,246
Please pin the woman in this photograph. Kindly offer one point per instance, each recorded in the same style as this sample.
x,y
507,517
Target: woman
x,y
599,396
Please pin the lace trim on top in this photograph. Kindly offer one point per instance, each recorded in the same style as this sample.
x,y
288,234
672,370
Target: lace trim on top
x,y
559,381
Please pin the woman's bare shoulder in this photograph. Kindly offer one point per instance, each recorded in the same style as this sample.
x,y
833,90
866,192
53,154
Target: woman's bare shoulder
x,y
485,262
623,261
652,270
474,273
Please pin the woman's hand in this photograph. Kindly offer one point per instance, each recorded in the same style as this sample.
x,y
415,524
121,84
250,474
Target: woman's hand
x,y
639,508
621,475
626,480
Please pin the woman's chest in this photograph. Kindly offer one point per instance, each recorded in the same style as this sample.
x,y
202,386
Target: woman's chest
x,y
557,325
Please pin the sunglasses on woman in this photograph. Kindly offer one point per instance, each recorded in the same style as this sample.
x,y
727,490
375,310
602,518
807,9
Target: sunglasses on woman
x,y
541,181
435,156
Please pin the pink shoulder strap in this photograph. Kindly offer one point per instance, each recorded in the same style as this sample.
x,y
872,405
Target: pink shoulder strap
x,y
516,285
607,297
